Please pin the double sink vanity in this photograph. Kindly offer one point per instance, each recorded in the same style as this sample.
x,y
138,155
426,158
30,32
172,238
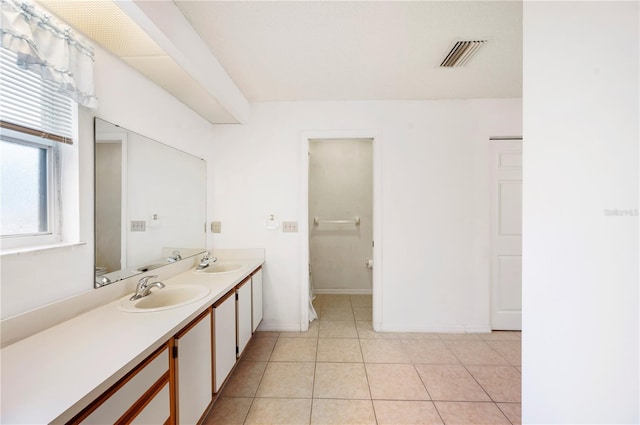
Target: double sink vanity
x,y
161,358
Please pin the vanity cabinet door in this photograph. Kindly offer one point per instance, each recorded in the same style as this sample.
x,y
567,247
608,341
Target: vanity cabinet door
x,y
243,314
192,354
224,324
131,396
256,289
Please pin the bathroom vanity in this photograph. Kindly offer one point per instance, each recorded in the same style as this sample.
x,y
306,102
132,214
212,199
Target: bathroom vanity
x,y
162,364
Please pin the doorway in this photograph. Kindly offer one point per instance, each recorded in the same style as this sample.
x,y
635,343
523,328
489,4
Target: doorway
x,y
341,216
307,221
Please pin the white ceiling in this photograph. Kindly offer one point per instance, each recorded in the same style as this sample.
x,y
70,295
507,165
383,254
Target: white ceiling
x,y
338,50
217,56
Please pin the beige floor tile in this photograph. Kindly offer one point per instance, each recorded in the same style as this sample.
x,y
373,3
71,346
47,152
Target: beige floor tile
x,y
259,349
450,383
295,350
361,300
417,335
245,379
475,353
342,412
468,413
459,336
279,411
510,350
406,412
262,334
336,313
395,382
341,380
339,350
502,383
228,411
312,332
283,379
362,313
502,336
338,329
335,301
513,412
365,330
430,335
429,352
383,351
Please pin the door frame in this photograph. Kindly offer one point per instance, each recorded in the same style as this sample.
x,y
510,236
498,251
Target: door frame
x,y
376,286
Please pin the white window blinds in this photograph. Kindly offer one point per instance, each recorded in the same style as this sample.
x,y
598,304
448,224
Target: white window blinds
x,y
30,105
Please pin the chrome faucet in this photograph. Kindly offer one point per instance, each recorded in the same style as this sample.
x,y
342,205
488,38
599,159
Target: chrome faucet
x,y
206,261
144,287
175,256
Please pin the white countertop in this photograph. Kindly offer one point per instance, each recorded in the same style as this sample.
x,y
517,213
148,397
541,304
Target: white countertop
x,y
54,374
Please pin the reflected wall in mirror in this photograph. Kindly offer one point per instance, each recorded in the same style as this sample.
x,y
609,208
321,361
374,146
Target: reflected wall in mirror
x,y
150,204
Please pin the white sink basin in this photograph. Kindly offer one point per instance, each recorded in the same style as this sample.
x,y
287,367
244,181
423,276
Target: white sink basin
x,y
169,297
220,268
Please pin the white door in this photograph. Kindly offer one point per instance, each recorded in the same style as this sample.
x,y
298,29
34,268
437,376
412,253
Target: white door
x,y
224,322
194,371
506,235
256,299
243,315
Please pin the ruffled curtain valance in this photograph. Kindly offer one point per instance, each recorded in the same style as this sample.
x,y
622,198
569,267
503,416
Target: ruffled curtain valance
x,y
49,48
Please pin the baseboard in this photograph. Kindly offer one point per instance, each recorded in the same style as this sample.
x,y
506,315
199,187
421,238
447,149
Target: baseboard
x,y
347,291
478,329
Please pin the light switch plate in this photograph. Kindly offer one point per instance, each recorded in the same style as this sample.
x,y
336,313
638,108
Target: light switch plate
x,y
138,226
216,227
290,226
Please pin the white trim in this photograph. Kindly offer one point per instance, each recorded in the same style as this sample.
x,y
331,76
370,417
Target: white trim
x,y
32,249
303,219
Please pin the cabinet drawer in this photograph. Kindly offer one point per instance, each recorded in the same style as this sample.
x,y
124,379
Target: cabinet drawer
x,y
158,410
118,400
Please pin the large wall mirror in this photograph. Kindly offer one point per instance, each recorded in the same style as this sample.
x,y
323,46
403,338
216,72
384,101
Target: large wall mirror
x,y
150,204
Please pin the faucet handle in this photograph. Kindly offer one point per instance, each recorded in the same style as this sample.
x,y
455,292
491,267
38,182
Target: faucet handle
x,y
143,281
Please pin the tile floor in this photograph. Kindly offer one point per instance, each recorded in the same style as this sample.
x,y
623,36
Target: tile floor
x,y
342,372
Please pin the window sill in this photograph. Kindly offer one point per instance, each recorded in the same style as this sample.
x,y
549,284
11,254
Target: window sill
x,y
33,249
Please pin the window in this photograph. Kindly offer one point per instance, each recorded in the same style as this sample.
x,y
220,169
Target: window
x,y
37,124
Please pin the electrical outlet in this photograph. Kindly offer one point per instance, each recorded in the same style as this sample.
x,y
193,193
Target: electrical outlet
x,y
138,226
216,227
290,226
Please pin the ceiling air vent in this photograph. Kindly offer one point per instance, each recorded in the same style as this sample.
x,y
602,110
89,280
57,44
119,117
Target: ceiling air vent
x,y
461,52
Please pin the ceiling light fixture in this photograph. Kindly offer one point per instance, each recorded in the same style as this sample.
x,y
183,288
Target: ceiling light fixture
x,y
461,52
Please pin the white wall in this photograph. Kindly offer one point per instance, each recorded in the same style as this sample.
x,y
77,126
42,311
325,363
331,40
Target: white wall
x,y
435,185
130,100
341,188
580,270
